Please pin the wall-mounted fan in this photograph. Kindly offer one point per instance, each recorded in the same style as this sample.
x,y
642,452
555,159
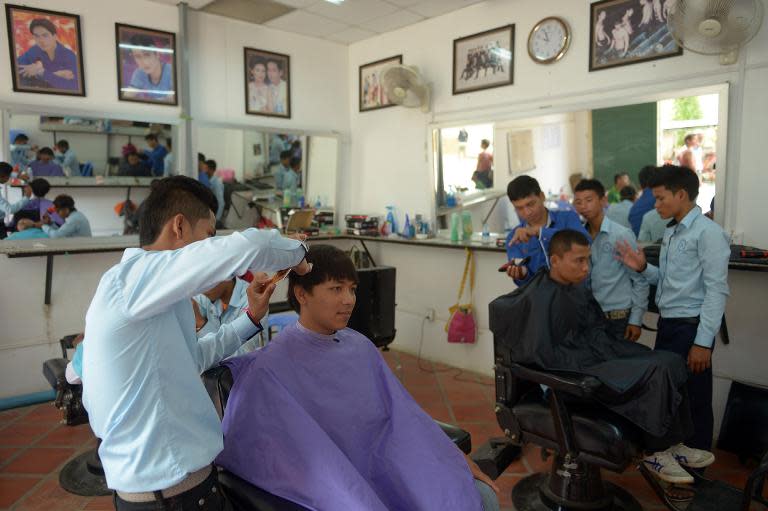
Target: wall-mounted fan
x,y
405,86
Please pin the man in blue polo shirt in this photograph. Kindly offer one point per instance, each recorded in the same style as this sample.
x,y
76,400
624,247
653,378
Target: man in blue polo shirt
x,y
530,239
692,286
645,202
156,155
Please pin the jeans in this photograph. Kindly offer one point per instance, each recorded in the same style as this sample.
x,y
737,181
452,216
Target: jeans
x,y
490,500
677,335
208,492
617,327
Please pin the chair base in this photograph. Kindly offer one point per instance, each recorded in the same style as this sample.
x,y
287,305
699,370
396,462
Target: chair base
x,y
84,476
530,494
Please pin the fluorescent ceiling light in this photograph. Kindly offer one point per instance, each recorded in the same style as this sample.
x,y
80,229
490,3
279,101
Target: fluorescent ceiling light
x,y
335,2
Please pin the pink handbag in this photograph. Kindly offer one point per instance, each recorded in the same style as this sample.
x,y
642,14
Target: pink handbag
x,y
461,326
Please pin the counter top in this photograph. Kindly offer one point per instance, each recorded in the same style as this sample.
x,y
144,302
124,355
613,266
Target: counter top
x,y
91,182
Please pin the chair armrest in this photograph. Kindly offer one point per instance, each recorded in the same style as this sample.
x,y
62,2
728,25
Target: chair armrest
x,y
577,385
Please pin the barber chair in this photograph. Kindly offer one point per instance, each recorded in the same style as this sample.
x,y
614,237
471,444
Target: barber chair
x,y
247,497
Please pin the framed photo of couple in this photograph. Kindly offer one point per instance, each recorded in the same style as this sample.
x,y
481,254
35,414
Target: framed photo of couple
x,y
267,83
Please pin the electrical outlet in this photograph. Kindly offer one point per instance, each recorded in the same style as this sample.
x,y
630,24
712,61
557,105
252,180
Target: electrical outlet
x,y
430,315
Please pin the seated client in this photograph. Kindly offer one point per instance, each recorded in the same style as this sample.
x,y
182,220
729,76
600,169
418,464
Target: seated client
x,y
555,323
317,417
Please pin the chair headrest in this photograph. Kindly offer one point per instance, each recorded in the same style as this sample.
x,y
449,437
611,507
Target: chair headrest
x,y
218,382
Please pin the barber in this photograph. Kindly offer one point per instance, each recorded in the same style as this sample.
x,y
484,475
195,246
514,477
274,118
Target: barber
x,y
142,361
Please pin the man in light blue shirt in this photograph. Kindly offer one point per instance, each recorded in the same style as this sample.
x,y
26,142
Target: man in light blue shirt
x,y
217,187
67,158
283,170
6,208
692,286
619,212
76,225
142,360
652,228
20,150
621,292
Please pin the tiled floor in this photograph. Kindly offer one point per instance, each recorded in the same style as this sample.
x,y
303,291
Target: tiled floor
x,y
34,446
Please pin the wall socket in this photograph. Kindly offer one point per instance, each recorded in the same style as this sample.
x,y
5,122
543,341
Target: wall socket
x,y
430,315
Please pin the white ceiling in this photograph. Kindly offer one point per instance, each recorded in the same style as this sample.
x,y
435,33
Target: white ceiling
x,y
348,22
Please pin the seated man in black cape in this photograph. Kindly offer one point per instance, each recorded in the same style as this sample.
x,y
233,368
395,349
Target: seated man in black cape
x,y
554,323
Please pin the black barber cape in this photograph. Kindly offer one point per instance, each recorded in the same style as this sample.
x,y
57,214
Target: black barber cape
x,y
558,327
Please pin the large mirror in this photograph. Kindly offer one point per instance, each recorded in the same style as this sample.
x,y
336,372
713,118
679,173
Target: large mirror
x,y
610,144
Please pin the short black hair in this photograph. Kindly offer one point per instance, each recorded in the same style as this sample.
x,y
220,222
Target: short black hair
x,y
286,155
628,193
46,150
151,136
562,241
142,40
42,23
40,187
62,144
645,175
591,184
675,178
5,169
328,263
200,158
64,201
295,161
690,136
522,187
20,137
211,164
618,176
485,142
172,196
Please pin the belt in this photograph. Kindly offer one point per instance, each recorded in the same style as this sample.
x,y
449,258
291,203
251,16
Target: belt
x,y
691,321
192,480
618,314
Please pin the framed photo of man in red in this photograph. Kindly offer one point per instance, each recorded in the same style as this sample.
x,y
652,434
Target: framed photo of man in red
x,y
46,51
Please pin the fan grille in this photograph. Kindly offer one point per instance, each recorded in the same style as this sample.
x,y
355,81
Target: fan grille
x,y
739,21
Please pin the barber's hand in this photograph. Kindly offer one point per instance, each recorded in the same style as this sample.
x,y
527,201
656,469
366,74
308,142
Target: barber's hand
x,y
200,321
523,234
699,359
632,333
46,219
259,292
480,475
517,272
633,259
27,191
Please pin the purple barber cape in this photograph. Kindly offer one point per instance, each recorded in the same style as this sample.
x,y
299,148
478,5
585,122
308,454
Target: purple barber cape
x,y
322,421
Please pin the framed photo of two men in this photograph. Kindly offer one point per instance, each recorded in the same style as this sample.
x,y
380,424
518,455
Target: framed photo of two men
x,y
267,83
46,51
146,65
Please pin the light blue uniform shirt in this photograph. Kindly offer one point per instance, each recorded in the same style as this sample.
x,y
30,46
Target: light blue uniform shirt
x,y
619,213
20,155
291,182
652,227
216,315
75,226
217,187
6,208
169,165
69,162
692,277
280,174
614,286
142,360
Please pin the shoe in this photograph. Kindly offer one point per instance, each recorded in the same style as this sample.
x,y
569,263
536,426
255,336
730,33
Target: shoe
x,y
690,457
663,465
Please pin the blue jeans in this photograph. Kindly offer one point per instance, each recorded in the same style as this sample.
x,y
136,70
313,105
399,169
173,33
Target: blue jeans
x,y
490,500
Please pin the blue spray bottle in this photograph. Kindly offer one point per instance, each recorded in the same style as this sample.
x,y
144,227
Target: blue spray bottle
x,y
391,219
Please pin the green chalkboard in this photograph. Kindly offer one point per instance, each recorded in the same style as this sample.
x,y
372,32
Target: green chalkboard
x,y
623,139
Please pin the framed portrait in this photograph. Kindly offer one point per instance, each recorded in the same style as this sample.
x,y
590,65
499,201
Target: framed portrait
x,y
267,83
484,60
46,51
371,90
628,32
146,65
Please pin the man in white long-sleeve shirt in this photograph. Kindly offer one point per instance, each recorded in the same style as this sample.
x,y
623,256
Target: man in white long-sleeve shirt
x,y
7,208
142,360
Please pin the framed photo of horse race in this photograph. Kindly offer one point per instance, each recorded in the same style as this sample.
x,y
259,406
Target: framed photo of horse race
x,y
484,60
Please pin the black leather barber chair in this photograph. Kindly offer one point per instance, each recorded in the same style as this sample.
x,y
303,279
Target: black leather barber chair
x,y
247,497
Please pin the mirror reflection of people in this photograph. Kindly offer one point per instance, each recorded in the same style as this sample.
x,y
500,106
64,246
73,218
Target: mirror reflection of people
x,y
142,359
20,152
334,429
27,230
483,171
75,225
153,77
6,208
134,166
48,63
202,176
169,162
283,171
530,239
217,187
44,164
39,205
278,88
259,95
155,154
67,158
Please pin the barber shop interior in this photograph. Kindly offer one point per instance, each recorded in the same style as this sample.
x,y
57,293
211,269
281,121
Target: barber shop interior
x,y
383,255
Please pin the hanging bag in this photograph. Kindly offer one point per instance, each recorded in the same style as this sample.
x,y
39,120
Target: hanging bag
x,y
461,326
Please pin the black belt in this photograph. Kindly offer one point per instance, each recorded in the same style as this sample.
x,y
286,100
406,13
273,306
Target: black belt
x,y
690,321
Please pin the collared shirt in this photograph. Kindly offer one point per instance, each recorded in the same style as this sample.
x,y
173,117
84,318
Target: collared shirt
x,y
642,205
216,314
280,174
75,225
40,169
20,156
157,159
538,246
619,213
64,59
614,286
217,187
144,88
142,360
169,164
692,276
291,182
653,227
69,163
6,208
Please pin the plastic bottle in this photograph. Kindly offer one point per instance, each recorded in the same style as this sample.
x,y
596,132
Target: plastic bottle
x,y
455,221
318,203
407,227
486,234
287,198
391,219
300,197
466,220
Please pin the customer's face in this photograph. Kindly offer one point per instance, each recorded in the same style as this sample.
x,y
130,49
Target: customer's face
x,y
44,157
572,267
133,159
329,304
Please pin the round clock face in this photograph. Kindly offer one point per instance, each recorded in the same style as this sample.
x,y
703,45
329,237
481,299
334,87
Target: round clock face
x,y
549,40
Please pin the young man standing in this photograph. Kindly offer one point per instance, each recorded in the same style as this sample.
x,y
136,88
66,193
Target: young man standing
x,y
530,239
67,158
621,292
692,280
619,181
156,154
645,202
283,171
142,360
217,187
